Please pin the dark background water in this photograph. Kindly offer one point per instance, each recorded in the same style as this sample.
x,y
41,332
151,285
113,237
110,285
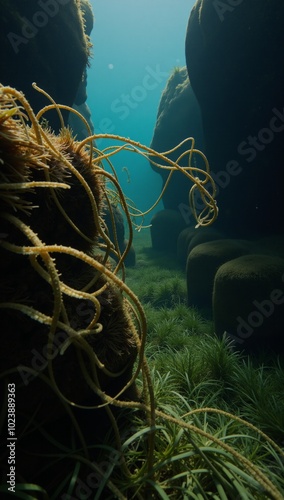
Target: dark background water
x,y
136,45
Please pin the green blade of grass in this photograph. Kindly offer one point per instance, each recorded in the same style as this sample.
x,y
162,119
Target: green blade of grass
x,y
156,487
26,491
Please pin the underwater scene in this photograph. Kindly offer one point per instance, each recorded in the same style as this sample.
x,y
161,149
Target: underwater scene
x,y
142,249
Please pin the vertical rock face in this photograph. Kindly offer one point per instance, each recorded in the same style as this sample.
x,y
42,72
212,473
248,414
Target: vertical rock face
x,y
43,42
74,121
234,53
178,118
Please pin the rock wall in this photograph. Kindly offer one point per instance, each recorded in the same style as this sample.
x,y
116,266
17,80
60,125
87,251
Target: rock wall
x,y
178,118
44,42
234,53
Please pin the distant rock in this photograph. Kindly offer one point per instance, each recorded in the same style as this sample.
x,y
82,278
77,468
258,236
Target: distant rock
x,y
166,226
178,118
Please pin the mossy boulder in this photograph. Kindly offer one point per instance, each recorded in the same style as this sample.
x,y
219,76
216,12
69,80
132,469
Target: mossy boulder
x,y
190,237
248,303
202,264
202,235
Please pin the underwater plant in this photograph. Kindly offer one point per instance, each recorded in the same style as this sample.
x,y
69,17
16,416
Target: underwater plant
x,y
64,304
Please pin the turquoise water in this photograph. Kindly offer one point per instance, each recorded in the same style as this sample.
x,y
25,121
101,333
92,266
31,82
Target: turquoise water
x,y
136,45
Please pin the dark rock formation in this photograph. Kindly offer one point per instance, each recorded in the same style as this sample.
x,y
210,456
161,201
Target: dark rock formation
x,y
165,228
178,118
79,130
78,127
43,42
184,238
234,57
202,235
202,264
190,237
248,303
